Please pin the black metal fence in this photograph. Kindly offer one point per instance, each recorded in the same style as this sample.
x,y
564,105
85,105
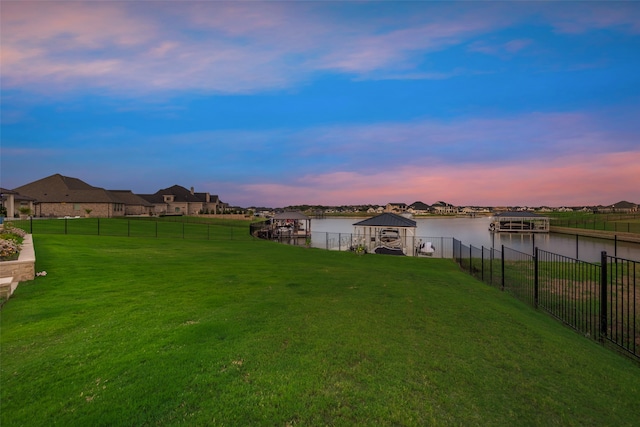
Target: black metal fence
x,y
601,301
621,223
176,227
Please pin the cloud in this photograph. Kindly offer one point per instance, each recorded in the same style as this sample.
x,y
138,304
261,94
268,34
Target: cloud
x,y
572,180
227,47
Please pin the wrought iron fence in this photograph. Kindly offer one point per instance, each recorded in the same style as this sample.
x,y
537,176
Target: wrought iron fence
x,y
620,302
610,222
182,227
601,301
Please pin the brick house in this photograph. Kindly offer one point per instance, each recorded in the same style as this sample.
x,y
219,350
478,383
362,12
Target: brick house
x,y
58,196
177,200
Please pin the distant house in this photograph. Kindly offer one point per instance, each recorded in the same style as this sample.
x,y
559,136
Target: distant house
x,y
419,208
624,207
396,207
177,200
444,208
58,196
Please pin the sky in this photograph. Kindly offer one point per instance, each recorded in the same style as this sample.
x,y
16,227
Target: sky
x,y
326,102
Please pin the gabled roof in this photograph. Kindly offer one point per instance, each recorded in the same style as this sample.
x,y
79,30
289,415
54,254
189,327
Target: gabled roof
x,y
387,219
57,189
624,205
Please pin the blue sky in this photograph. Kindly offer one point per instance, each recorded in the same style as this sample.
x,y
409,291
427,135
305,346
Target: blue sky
x,y
283,103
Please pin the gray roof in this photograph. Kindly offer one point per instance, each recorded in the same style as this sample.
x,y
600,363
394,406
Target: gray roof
x,y
290,215
57,189
128,198
387,219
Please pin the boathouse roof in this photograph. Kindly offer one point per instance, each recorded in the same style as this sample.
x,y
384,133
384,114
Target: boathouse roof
x,y
290,215
387,219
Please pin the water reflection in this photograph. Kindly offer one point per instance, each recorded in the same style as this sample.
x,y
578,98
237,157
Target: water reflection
x,y
475,231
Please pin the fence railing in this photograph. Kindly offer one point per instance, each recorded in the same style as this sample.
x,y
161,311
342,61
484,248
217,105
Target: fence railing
x,y
610,222
184,227
601,301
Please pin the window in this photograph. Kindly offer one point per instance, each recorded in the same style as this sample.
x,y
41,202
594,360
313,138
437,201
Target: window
x,y
76,206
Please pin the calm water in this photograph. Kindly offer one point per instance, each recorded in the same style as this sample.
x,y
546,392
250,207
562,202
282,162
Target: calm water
x,y
475,231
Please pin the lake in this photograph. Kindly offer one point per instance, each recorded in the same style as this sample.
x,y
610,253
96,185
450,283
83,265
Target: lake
x,y
475,232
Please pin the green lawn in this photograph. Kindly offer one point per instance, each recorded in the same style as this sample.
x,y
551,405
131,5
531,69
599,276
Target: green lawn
x,y
153,331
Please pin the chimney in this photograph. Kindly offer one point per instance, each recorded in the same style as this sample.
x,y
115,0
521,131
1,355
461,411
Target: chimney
x,y
192,192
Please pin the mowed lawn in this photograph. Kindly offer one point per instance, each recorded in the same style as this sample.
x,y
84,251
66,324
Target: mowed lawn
x,y
145,331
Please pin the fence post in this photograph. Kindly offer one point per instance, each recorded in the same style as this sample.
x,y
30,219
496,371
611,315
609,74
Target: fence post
x,y
502,267
31,225
603,294
536,277
482,260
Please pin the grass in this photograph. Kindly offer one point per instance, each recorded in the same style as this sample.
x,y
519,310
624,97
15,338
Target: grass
x,y
152,331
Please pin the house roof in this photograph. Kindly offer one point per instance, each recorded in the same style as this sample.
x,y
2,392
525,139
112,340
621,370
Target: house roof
x,y
128,198
4,192
57,189
387,219
420,206
624,205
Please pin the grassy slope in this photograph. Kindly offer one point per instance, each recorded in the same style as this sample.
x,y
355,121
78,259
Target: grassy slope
x,y
158,332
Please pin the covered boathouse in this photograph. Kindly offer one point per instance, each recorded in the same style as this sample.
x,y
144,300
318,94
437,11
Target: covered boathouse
x,y
519,222
387,233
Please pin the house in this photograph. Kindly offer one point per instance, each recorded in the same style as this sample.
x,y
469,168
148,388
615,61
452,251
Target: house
x,y
396,207
58,196
133,204
419,208
444,208
624,207
177,200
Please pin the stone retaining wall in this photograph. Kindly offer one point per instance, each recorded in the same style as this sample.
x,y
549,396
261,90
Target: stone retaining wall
x,y
24,268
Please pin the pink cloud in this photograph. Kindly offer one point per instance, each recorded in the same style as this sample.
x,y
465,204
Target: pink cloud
x,y
570,180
